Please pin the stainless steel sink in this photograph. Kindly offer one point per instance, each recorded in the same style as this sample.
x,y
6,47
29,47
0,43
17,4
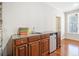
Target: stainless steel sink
x,y
36,33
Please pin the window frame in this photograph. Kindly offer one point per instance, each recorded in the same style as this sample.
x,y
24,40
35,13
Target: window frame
x,y
67,23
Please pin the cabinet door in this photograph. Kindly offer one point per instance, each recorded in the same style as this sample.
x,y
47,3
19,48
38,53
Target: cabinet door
x,y
22,50
58,40
45,46
34,48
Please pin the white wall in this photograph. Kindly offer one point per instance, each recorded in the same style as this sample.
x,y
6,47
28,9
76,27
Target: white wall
x,y
52,20
39,15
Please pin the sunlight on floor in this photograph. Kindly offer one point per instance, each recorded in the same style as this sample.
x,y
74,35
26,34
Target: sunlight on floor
x,y
73,50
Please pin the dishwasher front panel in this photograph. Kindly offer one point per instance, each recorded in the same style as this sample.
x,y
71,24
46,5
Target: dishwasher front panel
x,y
52,43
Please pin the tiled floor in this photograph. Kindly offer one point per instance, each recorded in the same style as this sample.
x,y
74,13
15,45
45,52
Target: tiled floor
x,y
68,48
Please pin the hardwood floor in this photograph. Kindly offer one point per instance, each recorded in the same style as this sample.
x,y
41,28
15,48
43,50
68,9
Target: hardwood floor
x,y
68,48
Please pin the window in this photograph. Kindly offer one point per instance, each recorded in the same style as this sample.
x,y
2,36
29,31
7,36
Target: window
x,y
73,23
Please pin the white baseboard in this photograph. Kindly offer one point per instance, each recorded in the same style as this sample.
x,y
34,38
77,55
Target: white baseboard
x,y
72,39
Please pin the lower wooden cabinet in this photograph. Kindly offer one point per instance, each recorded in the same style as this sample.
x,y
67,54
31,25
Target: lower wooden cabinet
x,y
21,50
30,46
44,47
34,48
58,40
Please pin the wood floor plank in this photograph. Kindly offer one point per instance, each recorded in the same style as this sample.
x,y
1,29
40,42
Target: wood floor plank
x,y
68,48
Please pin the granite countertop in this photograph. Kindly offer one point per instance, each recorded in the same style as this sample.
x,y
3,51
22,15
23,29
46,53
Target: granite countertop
x,y
15,36
46,32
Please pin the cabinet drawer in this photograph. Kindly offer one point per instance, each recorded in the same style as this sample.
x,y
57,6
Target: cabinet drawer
x,y
33,38
45,36
20,41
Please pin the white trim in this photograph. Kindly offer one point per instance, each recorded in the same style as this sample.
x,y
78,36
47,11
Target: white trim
x,y
68,22
72,33
72,39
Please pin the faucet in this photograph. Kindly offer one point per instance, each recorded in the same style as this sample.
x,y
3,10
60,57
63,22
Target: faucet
x,y
33,29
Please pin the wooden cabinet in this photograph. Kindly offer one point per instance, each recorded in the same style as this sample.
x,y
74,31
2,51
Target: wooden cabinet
x,y
58,40
34,45
21,50
45,45
20,41
34,48
37,45
20,47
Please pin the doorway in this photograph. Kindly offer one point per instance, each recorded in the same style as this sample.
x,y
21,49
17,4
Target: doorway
x,y
58,24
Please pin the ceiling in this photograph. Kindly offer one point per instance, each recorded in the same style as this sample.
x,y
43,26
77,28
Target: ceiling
x,y
64,6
